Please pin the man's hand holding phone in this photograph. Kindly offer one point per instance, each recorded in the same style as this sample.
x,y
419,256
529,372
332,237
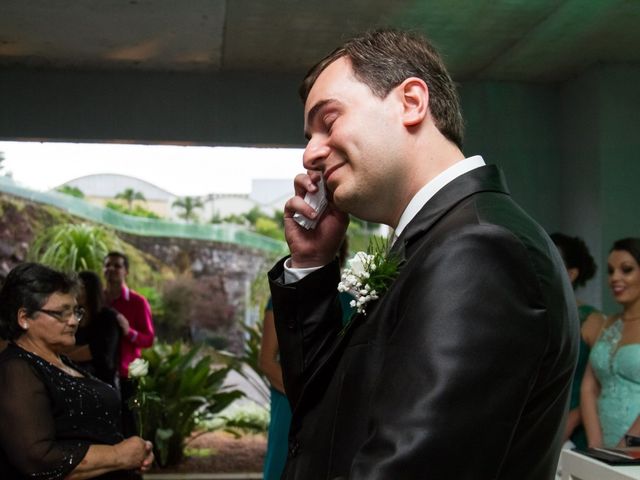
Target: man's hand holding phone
x,y
314,228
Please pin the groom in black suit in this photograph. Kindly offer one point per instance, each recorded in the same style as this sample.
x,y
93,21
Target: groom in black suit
x,y
462,368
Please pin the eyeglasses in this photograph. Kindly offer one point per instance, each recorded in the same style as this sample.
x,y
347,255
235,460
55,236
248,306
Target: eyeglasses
x,y
64,315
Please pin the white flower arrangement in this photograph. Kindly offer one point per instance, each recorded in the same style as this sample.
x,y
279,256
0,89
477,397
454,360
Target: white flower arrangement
x,y
355,281
369,274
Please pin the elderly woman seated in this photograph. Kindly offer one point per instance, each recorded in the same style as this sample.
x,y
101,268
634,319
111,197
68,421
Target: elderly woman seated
x,y
57,421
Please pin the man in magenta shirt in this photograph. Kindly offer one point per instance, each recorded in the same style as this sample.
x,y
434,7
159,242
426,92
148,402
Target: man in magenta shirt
x,y
134,318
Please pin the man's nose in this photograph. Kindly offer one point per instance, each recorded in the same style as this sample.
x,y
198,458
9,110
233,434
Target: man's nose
x,y
315,154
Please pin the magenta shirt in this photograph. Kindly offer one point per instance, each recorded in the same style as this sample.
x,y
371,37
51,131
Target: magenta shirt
x,y
141,333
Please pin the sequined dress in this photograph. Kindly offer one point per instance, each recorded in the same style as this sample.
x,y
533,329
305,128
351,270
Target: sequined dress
x,y
50,419
617,368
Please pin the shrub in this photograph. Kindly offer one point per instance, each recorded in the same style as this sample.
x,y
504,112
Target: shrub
x,y
181,387
73,247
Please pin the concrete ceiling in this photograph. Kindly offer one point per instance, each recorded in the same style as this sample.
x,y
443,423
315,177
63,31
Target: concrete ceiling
x,y
526,40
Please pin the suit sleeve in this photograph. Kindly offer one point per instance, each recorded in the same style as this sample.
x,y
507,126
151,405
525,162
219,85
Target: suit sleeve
x,y
461,360
308,318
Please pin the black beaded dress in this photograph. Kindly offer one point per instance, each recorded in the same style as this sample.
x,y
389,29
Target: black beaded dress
x,y
49,419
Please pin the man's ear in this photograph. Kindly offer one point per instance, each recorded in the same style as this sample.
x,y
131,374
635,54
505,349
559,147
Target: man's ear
x,y
415,101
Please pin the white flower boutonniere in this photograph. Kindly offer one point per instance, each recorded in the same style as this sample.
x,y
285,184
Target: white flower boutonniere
x,y
369,274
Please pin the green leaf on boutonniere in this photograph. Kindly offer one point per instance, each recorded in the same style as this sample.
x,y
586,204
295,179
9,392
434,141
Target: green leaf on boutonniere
x,y
368,275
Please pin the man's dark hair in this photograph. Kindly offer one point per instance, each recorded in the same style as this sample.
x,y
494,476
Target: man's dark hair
x,y
630,245
383,59
117,254
29,286
575,254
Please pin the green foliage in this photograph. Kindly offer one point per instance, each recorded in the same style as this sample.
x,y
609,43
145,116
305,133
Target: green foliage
x,y
73,247
188,205
136,211
182,386
253,215
233,218
154,298
73,191
269,228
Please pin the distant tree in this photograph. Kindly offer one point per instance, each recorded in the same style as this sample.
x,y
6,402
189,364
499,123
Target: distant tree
x,y
73,191
130,195
188,205
254,214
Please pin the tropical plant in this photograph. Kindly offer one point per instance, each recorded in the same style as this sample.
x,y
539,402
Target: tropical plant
x,y
72,191
73,247
188,205
130,195
181,387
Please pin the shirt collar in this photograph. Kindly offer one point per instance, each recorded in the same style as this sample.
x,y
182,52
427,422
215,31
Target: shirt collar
x,y
433,186
125,292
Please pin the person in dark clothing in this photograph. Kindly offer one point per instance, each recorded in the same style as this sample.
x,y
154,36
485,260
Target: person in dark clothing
x,y
58,422
98,336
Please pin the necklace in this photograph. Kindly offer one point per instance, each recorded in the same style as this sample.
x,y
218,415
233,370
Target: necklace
x,y
629,319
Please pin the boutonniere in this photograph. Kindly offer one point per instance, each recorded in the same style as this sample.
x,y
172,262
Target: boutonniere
x,y
368,275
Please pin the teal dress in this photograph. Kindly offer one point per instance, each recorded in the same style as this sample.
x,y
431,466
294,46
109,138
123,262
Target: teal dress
x,y
277,440
579,437
617,369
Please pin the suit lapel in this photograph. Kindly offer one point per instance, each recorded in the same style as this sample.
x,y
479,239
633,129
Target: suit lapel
x,y
483,179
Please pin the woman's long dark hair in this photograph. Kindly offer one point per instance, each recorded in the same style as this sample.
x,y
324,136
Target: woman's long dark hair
x,y
93,293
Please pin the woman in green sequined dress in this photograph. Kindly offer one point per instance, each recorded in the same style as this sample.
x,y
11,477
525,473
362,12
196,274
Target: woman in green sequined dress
x,y
610,398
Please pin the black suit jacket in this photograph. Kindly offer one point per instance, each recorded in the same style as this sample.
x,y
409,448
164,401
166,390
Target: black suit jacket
x,y
461,370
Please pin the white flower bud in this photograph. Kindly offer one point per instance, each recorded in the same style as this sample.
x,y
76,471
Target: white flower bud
x,y
138,368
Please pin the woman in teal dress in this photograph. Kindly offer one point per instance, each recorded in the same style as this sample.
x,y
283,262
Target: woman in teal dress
x,y
611,386
277,440
581,268
276,454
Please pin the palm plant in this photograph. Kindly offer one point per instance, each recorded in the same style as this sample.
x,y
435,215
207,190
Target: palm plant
x,y
73,247
130,195
181,387
188,205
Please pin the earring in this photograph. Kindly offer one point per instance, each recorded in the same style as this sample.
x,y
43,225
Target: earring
x,y
24,326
